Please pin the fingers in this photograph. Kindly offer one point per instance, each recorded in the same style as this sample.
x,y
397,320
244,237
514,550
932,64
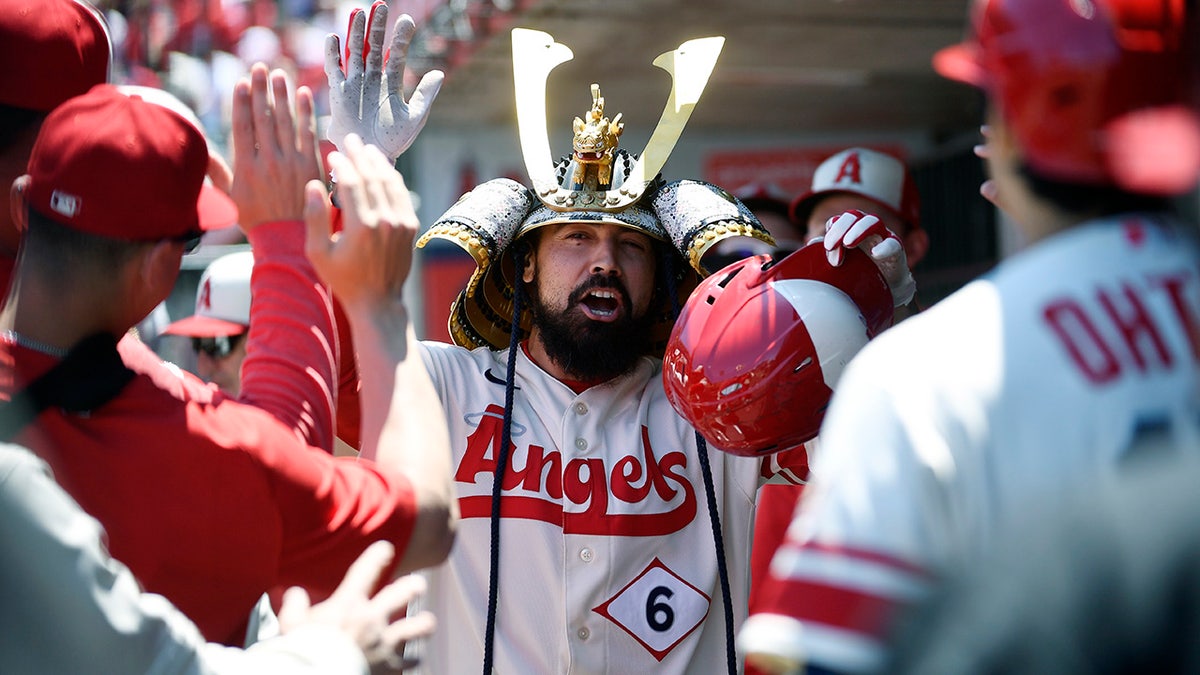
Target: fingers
x,y
865,226
351,194
419,625
281,111
355,44
242,126
398,52
260,109
851,229
375,190
334,72
835,231
293,608
427,90
306,125
398,594
989,192
373,54
318,222
981,150
889,247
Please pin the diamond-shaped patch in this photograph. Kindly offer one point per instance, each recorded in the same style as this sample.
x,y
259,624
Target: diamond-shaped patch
x,y
658,608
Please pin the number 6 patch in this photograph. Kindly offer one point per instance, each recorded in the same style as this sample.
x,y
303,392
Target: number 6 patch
x,y
658,608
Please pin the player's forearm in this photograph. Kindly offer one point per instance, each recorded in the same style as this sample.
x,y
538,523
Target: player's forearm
x,y
289,366
403,426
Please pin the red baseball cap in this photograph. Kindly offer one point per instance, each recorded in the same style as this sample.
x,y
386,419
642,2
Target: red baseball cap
x,y
114,165
216,208
52,50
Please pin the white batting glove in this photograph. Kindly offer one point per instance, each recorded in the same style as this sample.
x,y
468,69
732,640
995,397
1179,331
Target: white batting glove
x,y
855,229
367,97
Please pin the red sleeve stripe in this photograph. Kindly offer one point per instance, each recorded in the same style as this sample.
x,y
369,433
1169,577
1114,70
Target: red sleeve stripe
x,y
864,555
830,648
818,604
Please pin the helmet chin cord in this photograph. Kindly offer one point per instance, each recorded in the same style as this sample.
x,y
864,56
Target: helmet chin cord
x,y
502,453
669,272
719,545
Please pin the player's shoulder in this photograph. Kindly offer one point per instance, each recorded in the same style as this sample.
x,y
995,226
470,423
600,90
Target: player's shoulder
x,y
444,360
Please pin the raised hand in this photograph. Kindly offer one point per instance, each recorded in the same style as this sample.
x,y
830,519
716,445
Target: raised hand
x,y
855,229
274,148
366,85
365,617
367,262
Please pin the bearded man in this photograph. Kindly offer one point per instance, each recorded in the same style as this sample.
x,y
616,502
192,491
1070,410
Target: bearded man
x,y
594,522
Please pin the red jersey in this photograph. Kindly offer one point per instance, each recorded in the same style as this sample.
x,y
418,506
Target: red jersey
x,y
212,501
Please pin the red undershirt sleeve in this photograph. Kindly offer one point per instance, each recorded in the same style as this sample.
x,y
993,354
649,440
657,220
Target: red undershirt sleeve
x,y
290,352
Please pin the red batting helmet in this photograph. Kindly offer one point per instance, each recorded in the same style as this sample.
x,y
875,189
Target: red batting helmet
x,y
1095,91
754,356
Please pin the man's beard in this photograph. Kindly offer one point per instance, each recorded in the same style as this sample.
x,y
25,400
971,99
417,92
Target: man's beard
x,y
586,349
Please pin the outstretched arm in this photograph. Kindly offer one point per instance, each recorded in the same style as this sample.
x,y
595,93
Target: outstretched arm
x,y
366,264
289,367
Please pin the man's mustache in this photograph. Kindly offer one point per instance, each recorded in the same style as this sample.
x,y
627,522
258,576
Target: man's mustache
x,y
601,281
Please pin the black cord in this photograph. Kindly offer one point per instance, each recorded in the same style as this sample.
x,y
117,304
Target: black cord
x,y
671,277
514,343
719,541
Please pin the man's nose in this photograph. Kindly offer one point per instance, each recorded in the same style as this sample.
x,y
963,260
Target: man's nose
x,y
605,260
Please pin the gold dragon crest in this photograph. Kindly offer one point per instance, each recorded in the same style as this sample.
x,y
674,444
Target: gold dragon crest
x,y
594,145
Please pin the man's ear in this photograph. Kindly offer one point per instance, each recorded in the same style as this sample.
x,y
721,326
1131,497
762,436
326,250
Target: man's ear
x,y
158,269
916,245
17,205
527,274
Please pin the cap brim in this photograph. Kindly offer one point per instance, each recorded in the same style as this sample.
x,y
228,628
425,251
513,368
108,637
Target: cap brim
x,y
802,207
961,62
204,326
215,209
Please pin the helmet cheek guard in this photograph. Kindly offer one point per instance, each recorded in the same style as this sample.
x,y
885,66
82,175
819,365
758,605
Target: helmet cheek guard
x,y
756,353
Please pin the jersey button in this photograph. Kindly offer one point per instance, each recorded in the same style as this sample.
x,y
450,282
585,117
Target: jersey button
x,y
581,408
583,633
586,555
581,444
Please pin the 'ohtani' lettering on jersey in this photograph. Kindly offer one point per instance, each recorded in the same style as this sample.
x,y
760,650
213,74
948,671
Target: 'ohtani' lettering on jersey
x,y
537,486
1116,333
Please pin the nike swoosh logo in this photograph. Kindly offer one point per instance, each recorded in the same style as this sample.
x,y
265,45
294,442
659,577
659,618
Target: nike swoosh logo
x,y
492,378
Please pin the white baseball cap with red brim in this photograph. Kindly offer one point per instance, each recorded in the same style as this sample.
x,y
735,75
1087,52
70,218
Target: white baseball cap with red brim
x,y
222,299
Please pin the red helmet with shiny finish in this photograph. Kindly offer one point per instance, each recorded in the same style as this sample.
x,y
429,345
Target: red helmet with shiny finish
x,y
754,356
1095,91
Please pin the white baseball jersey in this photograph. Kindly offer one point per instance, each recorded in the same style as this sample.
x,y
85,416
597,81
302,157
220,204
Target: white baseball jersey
x,y
1041,377
607,561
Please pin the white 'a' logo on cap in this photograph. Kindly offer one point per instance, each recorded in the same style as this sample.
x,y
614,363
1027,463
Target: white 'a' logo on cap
x,y
64,204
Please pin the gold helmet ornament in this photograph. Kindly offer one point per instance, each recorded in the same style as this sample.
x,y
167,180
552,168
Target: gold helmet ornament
x,y
598,182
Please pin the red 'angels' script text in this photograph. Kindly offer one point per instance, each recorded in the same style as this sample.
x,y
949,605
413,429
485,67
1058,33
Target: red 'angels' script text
x,y
583,482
